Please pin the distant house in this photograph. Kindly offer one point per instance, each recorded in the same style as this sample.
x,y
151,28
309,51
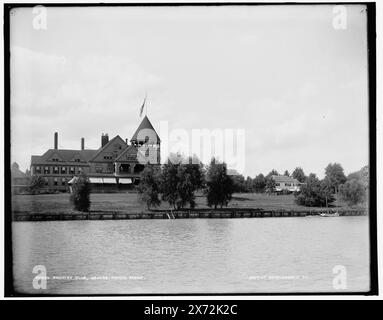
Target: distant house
x,y
20,180
285,183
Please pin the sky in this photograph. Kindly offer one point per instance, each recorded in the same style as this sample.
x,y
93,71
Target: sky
x,y
296,85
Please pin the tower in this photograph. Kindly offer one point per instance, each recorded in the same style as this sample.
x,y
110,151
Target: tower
x,y
146,134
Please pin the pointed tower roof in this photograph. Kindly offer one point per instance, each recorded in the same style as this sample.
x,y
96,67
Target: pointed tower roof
x,y
145,124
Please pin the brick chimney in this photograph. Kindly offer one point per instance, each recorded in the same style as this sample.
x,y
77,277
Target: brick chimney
x,y
56,143
82,143
104,139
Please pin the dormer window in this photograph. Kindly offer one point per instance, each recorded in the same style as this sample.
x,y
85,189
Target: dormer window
x,y
76,158
55,158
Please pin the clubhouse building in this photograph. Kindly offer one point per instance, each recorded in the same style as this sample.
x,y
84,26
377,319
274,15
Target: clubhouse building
x,y
117,164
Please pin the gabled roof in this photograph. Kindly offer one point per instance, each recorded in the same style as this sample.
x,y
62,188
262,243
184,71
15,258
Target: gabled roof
x,y
145,124
64,155
129,154
99,151
284,179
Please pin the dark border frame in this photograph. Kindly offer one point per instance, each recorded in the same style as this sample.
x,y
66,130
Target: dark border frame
x,y
9,290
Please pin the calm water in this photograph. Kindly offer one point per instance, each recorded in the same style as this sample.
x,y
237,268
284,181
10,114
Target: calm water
x,y
192,255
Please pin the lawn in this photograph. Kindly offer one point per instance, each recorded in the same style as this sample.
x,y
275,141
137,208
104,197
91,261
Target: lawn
x,y
129,202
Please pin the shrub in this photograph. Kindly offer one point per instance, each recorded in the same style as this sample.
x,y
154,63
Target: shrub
x,y
36,184
79,197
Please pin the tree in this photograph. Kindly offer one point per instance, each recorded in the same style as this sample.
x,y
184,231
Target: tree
x,y
299,174
219,185
169,181
335,175
327,190
314,193
273,173
239,183
270,185
249,184
190,178
149,187
80,193
259,183
287,174
180,179
362,176
36,184
352,192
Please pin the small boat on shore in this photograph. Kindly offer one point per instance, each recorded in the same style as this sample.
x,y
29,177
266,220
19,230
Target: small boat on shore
x,y
336,214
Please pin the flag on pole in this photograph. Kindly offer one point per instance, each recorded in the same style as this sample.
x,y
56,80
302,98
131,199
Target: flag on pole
x,y
142,107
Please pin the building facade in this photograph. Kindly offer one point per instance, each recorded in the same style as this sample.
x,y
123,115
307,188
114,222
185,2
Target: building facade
x,y
116,164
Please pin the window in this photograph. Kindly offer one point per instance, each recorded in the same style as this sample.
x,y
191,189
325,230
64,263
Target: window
x,y
63,181
46,181
99,169
107,157
288,184
46,170
110,168
37,169
71,170
63,170
79,170
55,169
55,181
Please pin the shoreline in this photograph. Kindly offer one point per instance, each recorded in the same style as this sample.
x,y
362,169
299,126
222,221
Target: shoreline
x,y
181,214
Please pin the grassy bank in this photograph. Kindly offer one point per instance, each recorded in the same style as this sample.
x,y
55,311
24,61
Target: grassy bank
x,y
129,203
